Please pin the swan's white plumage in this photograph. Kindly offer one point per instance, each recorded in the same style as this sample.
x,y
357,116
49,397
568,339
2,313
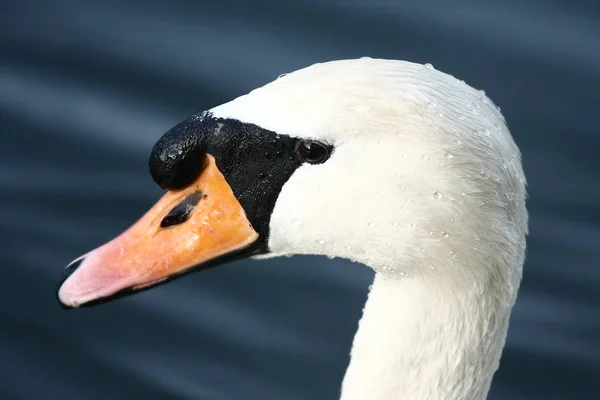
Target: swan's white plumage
x,y
426,187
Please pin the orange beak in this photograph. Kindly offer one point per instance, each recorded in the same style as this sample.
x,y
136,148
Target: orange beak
x,y
187,227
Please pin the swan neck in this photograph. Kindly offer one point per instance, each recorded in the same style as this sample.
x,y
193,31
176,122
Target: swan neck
x,y
419,340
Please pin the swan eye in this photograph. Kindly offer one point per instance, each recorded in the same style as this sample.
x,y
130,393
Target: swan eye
x,y
313,152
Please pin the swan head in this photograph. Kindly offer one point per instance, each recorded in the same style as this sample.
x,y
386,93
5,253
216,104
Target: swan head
x,y
391,164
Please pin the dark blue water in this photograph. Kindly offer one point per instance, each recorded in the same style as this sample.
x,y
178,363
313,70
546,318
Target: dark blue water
x,y
86,88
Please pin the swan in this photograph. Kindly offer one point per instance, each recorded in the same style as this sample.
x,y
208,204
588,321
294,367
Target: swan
x,y
391,164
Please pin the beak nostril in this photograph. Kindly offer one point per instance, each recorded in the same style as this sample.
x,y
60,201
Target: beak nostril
x,y
182,211
72,267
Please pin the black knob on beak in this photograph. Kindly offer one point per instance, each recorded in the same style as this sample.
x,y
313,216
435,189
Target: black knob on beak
x,y
178,157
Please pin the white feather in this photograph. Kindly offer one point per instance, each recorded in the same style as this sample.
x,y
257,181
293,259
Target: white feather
x,y
426,187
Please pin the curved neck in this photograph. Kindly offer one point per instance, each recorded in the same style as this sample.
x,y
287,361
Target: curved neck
x,y
426,341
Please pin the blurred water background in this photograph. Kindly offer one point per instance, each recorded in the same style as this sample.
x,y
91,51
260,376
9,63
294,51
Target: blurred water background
x,y
87,87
